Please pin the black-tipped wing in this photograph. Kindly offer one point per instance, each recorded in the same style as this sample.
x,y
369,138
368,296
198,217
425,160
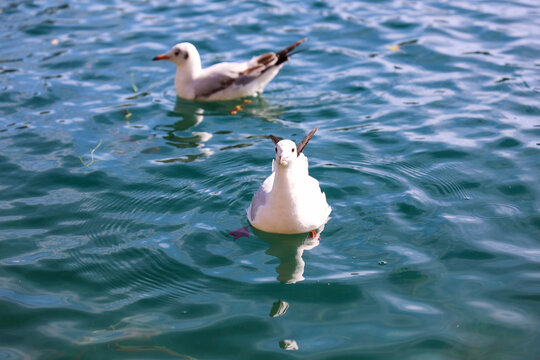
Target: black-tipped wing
x,y
302,144
284,54
274,139
219,77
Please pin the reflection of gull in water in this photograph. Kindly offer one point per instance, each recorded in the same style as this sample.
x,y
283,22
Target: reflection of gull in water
x,y
279,308
191,115
289,250
257,107
288,344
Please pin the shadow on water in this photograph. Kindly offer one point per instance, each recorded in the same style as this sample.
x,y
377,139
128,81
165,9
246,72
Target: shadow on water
x,y
289,250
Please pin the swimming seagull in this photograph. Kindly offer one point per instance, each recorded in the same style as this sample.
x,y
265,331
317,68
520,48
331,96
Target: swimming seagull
x,y
223,81
289,201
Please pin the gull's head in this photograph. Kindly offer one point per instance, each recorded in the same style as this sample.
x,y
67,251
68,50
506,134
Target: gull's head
x,y
286,152
180,54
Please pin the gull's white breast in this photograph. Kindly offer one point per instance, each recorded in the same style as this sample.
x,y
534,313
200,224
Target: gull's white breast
x,y
289,202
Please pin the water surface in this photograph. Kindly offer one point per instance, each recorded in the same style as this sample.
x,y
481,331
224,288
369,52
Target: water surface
x,y
116,197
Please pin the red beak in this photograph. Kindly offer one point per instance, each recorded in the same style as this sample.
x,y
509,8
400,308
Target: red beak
x,y
161,57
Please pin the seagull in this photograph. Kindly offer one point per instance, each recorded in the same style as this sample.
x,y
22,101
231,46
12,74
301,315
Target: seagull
x,y
289,201
223,81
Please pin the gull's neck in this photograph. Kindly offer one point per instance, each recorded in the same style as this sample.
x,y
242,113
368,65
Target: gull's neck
x,y
286,177
186,74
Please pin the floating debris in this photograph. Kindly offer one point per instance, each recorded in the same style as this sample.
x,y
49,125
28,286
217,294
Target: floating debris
x,y
487,53
55,41
127,115
133,86
504,79
395,48
408,42
91,155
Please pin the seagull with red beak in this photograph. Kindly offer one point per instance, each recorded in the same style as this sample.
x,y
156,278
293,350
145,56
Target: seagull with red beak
x,y
289,201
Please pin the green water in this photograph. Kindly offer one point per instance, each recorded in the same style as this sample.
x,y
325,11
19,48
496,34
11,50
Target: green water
x,y
116,198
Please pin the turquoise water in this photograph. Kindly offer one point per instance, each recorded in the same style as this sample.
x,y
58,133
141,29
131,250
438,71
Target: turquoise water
x,y
116,198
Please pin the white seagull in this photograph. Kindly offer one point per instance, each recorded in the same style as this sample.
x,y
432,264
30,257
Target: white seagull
x,y
289,201
223,81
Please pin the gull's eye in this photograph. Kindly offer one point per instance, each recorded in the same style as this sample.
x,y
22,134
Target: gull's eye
x,y
292,150
276,150
176,52
186,55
